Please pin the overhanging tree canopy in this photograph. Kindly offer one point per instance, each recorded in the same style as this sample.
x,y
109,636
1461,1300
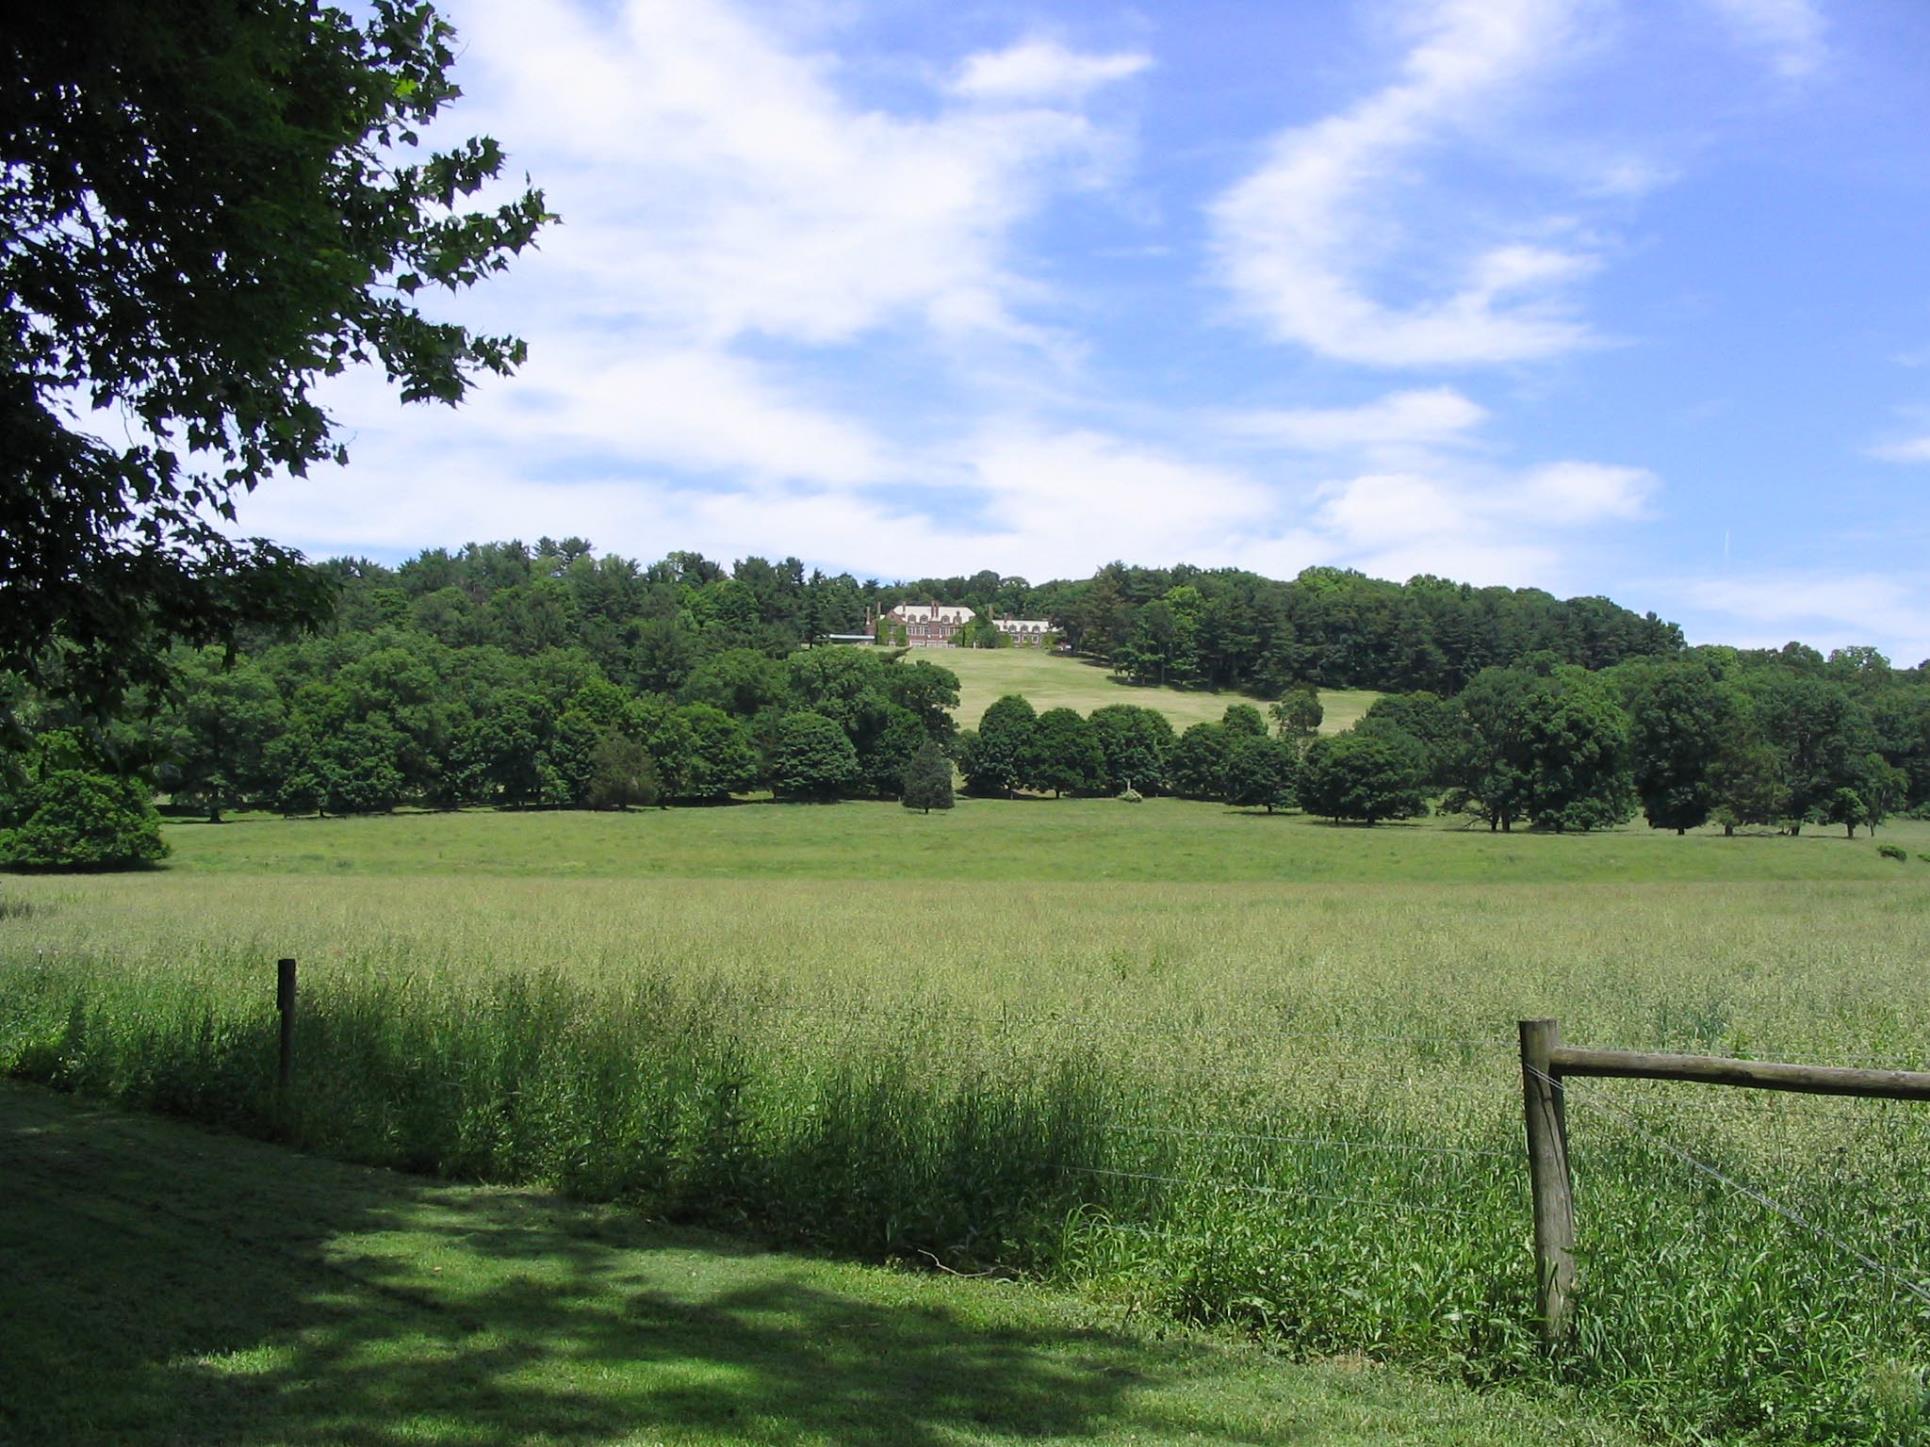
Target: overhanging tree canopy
x,y
206,207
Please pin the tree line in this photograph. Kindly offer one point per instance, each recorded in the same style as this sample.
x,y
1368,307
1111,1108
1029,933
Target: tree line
x,y
1782,740
505,675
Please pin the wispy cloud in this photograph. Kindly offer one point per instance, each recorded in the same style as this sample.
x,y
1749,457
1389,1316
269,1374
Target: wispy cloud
x,y
1789,32
1036,70
1424,417
1295,239
1909,449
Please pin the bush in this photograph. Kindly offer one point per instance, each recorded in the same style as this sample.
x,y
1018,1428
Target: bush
x,y
1131,796
74,819
1893,851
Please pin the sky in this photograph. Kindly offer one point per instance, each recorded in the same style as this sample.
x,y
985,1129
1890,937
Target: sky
x,y
1625,297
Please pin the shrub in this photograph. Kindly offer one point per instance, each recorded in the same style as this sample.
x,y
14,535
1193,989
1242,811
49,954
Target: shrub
x,y
1131,796
74,819
1893,851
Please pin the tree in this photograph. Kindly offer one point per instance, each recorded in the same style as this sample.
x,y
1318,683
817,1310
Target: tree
x,y
1243,720
1679,718
1364,776
927,783
1845,807
980,632
814,758
1064,753
1135,742
1432,721
216,737
72,819
718,758
1298,715
210,206
621,774
1196,769
1746,783
1543,742
1000,751
1260,770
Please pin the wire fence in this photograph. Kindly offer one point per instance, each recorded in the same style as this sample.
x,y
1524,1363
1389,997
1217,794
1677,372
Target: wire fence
x,y
1748,1192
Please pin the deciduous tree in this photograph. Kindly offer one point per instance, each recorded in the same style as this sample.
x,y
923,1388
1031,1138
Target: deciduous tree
x,y
210,206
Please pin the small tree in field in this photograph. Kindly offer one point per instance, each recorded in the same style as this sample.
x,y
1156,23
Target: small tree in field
x,y
1846,807
928,779
621,774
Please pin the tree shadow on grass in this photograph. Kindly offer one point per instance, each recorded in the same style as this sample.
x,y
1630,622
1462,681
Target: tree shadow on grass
x,y
168,1285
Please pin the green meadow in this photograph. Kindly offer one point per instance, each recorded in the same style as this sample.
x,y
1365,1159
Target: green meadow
x,y
1191,1064
1054,680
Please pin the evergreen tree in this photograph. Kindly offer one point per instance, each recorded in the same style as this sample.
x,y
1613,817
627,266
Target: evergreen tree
x,y
927,782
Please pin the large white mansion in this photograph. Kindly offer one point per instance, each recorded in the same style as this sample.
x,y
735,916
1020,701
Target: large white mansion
x,y
934,625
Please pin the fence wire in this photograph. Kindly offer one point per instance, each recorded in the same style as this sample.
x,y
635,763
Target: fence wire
x,y
1754,1194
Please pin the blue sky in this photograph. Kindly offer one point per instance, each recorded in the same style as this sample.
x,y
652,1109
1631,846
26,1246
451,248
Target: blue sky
x,y
1625,298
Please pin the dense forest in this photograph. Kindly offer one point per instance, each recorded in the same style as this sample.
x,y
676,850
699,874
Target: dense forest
x,y
500,674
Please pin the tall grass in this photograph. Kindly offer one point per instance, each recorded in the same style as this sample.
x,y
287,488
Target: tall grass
x,y
1293,1109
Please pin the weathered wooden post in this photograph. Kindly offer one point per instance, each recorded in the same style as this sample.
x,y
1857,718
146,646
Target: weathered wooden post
x,y
1548,1174
285,1004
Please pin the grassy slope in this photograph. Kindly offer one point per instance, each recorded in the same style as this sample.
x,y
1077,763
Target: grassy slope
x,y
1166,841
168,1285
1052,680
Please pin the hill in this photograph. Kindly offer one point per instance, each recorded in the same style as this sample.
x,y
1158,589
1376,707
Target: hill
x,y
1057,680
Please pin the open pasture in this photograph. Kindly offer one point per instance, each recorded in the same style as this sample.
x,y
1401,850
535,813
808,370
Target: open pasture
x,y
1228,1068
1055,680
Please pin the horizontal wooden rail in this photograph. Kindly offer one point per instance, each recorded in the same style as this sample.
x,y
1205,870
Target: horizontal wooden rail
x,y
1757,1074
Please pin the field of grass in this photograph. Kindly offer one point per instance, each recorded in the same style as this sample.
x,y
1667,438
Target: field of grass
x,y
1203,1065
1056,680
166,1285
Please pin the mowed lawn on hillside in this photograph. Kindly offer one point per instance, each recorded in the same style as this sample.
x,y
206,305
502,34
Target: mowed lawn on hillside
x,y
169,1285
1056,680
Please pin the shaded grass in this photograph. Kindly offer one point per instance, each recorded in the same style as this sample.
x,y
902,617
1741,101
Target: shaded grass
x,y
165,1285
1056,680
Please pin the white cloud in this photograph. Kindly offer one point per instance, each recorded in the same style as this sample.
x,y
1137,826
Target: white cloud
x,y
1036,70
1789,31
1574,494
715,183
1824,609
1295,239
1420,417
1913,449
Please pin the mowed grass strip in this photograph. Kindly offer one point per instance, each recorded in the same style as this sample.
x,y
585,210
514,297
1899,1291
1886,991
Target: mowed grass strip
x,y
167,1285
1056,680
1159,841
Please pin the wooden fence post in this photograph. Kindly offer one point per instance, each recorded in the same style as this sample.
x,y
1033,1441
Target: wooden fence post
x,y
1548,1174
285,1004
